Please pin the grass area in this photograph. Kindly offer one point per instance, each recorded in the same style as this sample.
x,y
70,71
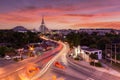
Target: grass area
x,y
98,64
116,65
78,58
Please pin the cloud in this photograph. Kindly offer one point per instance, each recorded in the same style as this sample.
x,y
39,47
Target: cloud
x,y
62,12
15,18
29,14
80,15
114,25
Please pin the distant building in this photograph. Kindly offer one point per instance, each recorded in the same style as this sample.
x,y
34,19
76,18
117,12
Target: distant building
x,y
64,31
99,31
43,28
20,29
34,30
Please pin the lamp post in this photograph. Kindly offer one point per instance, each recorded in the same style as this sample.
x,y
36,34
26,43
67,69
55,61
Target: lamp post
x,y
20,52
31,49
111,54
115,54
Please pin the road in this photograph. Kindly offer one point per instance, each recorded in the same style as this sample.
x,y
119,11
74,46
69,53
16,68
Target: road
x,y
75,71
11,72
48,71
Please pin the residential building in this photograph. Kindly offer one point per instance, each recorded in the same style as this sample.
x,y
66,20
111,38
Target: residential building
x,y
85,52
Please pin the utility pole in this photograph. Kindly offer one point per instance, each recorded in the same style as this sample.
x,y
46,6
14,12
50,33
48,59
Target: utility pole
x,y
111,53
115,53
105,51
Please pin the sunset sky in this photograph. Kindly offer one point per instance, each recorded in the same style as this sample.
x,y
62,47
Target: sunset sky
x,y
60,14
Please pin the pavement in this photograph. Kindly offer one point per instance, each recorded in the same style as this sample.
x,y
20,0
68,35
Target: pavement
x,y
109,65
99,70
4,62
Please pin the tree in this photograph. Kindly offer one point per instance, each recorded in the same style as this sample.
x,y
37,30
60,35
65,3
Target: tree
x,y
93,56
6,50
2,51
102,42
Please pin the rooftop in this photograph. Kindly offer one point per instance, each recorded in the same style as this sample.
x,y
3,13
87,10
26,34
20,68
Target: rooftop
x,y
91,49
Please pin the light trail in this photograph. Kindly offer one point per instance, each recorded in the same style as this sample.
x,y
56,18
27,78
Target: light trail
x,y
49,63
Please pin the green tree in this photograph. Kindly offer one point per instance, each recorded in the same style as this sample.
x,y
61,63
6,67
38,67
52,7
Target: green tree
x,y
102,42
93,56
2,51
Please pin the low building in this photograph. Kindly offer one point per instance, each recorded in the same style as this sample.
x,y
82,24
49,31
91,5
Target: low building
x,y
20,29
85,52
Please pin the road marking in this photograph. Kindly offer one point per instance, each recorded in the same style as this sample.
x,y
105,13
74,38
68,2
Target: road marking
x,y
19,69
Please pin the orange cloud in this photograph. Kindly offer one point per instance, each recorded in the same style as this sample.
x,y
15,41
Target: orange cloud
x,y
28,15
80,15
62,17
114,25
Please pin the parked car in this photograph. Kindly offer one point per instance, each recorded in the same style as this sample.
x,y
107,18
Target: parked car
x,y
16,57
7,57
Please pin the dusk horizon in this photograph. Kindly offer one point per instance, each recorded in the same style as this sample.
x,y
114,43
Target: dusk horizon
x,y
60,14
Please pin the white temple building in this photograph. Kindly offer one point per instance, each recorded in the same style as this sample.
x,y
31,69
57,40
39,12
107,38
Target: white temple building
x,y
43,28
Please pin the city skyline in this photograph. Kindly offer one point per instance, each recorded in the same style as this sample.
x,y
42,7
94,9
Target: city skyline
x,y
60,14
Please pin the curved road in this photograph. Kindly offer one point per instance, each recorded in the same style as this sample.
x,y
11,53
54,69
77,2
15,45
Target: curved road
x,y
75,71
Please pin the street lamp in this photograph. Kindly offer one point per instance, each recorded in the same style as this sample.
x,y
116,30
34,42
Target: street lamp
x,y
20,52
31,49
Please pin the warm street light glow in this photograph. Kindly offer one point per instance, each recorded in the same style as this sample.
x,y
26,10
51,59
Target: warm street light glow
x,y
54,77
31,48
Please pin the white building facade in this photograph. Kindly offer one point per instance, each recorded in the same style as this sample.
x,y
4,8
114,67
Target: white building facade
x,y
85,52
